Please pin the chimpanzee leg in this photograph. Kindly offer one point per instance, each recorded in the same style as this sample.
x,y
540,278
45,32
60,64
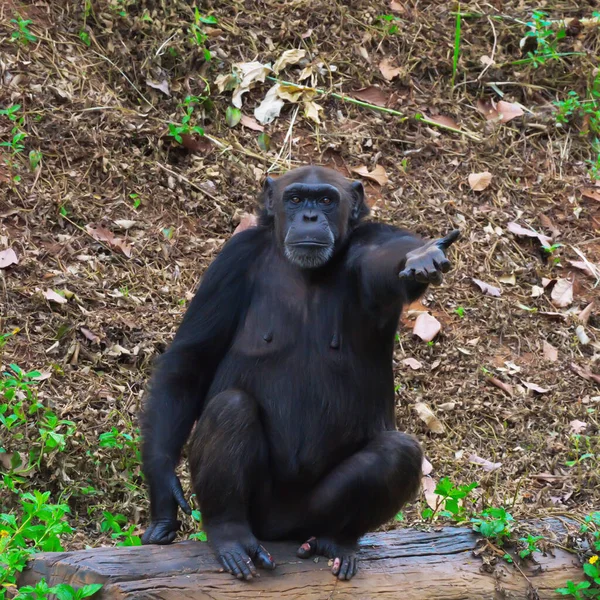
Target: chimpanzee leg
x,y
360,494
228,458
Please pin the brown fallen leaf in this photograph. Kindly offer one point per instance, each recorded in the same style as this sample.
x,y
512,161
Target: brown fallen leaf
x,y
426,467
251,123
108,237
548,224
388,70
193,143
248,220
429,484
584,315
519,230
577,426
162,86
426,327
587,267
505,387
413,363
480,181
8,257
444,121
487,465
486,288
378,174
52,296
487,108
90,335
592,193
508,279
585,372
372,94
562,293
534,387
550,352
428,417
507,111
396,6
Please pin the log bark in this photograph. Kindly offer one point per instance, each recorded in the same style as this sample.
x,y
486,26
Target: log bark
x,y
406,564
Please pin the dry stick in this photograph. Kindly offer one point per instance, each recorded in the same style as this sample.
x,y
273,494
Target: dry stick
x,y
181,177
287,137
391,111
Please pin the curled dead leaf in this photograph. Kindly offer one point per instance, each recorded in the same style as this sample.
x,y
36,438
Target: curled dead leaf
x,y
487,465
562,293
487,289
534,387
53,296
426,327
505,387
413,363
519,230
387,70
8,257
577,426
373,95
426,467
268,110
102,234
591,193
90,335
550,352
429,418
480,181
444,121
585,372
507,111
289,57
587,267
585,314
428,485
251,123
378,174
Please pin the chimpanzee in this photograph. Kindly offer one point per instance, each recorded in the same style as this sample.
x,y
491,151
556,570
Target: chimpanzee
x,y
284,362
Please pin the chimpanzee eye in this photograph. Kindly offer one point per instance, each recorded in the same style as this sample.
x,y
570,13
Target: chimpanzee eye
x,y
296,200
326,200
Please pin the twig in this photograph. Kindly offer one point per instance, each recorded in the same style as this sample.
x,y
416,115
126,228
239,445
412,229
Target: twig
x,y
423,119
493,51
186,180
287,137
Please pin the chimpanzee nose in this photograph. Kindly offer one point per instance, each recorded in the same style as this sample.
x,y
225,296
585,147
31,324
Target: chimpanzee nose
x,y
310,216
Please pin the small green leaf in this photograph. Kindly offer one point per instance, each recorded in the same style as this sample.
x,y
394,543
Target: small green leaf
x,y
264,142
233,116
210,20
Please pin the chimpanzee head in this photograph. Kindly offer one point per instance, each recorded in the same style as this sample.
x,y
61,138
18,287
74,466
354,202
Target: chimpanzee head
x,y
313,209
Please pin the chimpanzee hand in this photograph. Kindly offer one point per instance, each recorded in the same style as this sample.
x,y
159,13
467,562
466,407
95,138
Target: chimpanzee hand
x,y
427,263
165,525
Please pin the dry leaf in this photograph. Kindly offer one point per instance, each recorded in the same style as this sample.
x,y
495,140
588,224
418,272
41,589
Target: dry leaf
x,y
426,327
426,467
378,174
447,406
251,123
52,296
429,484
562,293
585,314
90,335
488,109
8,257
396,6
413,363
548,224
535,388
505,387
247,74
550,352
487,289
585,372
582,336
577,426
479,181
312,110
486,464
289,57
162,86
508,279
429,418
372,95
507,111
445,121
592,193
105,235
387,70
587,267
246,222
537,291
270,107
519,230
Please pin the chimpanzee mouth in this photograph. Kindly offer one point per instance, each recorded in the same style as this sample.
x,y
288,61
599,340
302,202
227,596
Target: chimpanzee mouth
x,y
308,255
310,244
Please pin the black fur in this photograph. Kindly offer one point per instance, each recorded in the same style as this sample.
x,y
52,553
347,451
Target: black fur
x,y
289,374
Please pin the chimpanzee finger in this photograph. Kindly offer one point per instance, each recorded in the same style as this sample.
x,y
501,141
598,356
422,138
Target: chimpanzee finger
x,y
245,565
179,496
346,568
422,276
445,242
435,277
407,274
308,548
355,567
264,559
337,563
234,568
225,563
443,264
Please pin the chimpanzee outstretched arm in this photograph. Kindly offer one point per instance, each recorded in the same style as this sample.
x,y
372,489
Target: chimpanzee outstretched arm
x,y
395,265
184,373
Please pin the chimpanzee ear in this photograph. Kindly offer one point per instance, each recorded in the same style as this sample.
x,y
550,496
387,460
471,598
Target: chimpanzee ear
x,y
267,195
359,206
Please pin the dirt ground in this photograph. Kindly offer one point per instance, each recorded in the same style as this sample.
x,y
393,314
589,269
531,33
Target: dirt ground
x,y
122,220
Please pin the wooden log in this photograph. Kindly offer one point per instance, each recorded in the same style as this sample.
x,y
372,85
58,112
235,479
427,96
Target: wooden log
x,y
406,564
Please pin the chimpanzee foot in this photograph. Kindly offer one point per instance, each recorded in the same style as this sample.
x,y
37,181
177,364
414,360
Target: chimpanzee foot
x,y
345,561
240,558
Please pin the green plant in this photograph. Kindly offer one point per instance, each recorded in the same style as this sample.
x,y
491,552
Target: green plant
x,y
451,501
582,449
114,524
591,526
135,198
456,54
200,535
530,544
494,523
15,144
22,34
186,127
84,36
198,35
460,311
389,24
546,38
35,157
576,590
